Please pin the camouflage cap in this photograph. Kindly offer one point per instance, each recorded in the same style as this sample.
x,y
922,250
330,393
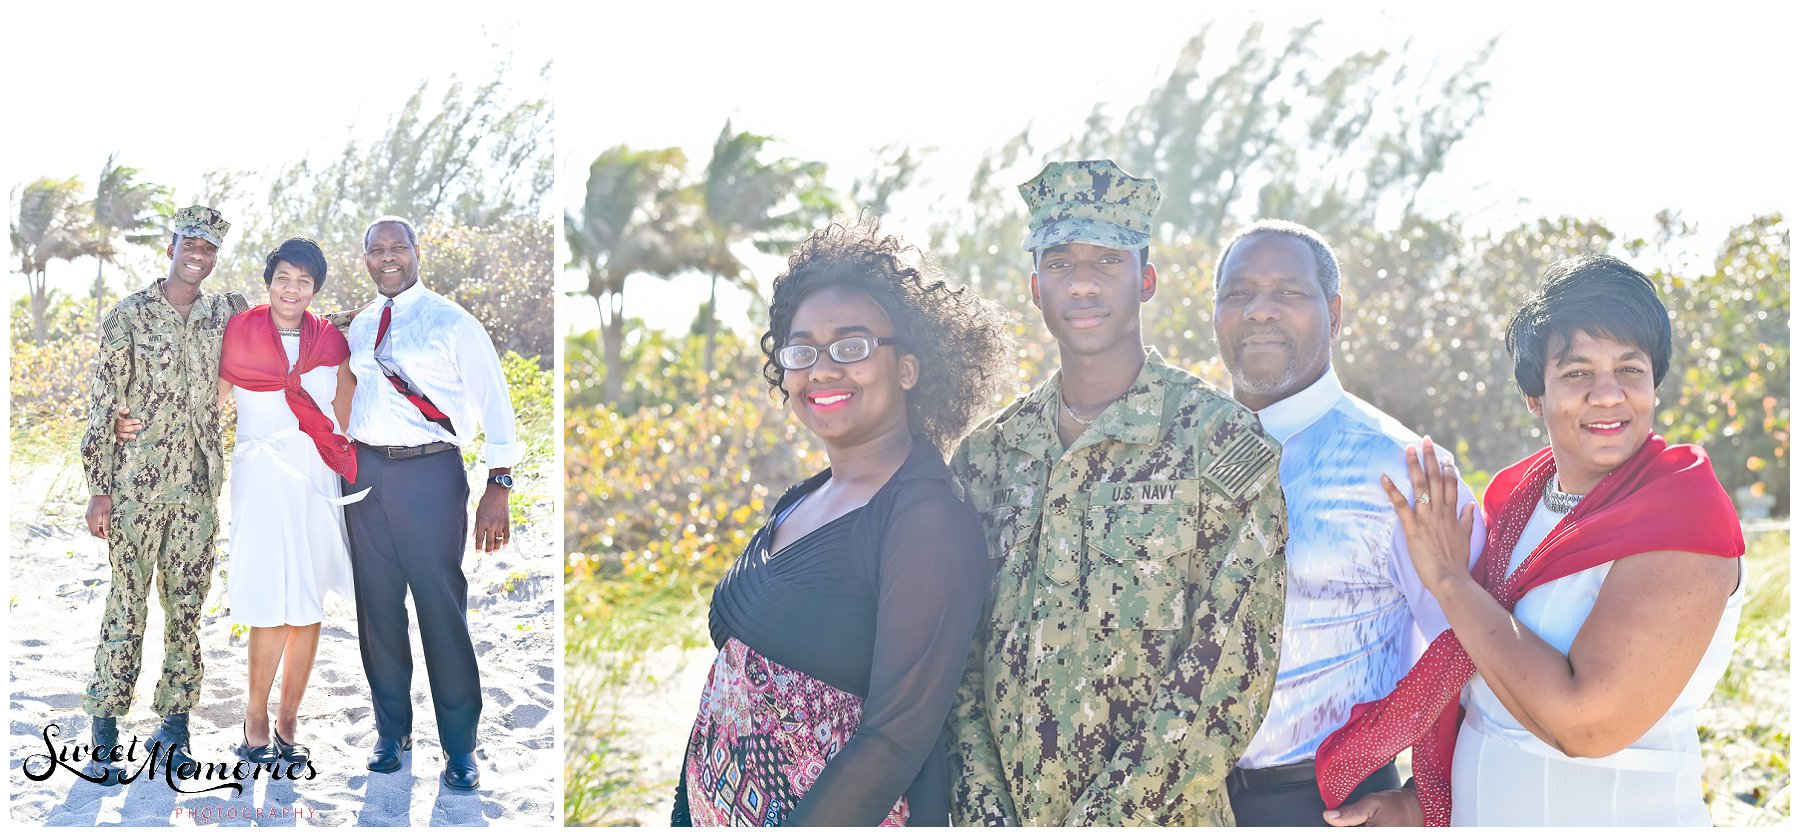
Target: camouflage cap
x,y
1092,201
201,222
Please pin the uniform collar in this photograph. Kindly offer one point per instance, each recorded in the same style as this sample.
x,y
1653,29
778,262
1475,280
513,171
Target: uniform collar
x,y
1033,428
1136,418
1297,412
156,293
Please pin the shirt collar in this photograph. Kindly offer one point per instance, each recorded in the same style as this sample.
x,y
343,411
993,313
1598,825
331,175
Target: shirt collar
x,y
403,299
1297,412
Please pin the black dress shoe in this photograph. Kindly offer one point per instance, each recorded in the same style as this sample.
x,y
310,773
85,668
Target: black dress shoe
x,y
290,752
386,757
460,772
266,754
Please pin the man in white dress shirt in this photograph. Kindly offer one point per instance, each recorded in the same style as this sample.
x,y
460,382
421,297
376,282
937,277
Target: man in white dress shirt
x,y
427,378
1356,615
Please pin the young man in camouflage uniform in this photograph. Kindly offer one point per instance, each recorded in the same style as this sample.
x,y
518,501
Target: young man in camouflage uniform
x,y
1137,527
154,497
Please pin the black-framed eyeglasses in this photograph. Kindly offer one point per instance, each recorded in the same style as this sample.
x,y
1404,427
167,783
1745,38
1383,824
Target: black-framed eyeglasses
x,y
847,350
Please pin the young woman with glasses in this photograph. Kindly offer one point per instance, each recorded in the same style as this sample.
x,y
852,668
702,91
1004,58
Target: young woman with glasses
x,y
844,627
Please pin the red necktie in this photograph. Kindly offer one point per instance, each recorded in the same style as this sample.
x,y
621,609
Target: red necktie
x,y
412,393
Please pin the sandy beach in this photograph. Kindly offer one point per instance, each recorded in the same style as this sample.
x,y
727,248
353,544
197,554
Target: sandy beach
x,y
59,580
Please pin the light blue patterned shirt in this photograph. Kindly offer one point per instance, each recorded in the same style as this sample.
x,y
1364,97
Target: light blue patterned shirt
x,y
1357,615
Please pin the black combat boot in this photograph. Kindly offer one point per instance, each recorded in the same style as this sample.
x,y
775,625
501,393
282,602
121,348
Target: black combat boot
x,y
104,733
173,736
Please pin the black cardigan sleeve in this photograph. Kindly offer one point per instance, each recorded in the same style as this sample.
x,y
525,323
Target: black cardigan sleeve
x,y
931,585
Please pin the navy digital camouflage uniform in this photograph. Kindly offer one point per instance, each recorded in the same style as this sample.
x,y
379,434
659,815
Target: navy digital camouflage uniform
x,y
1132,640
1133,627
164,484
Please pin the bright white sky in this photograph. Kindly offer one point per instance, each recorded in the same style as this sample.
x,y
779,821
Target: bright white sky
x,y
178,93
1700,120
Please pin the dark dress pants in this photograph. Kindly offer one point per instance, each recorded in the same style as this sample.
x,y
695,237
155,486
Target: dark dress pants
x,y
409,533
1289,795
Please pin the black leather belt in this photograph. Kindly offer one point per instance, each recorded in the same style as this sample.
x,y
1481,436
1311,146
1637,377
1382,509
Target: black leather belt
x,y
1298,773
398,452
1242,779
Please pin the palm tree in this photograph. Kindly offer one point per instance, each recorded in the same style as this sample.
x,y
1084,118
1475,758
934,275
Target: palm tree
x,y
638,218
123,206
50,225
770,205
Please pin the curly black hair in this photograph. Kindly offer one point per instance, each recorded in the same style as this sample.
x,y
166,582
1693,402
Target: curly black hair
x,y
964,343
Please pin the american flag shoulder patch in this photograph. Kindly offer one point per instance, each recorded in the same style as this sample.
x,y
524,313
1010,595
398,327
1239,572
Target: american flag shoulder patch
x,y
114,330
1242,467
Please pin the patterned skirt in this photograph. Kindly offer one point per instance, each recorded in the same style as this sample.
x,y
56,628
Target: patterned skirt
x,y
762,738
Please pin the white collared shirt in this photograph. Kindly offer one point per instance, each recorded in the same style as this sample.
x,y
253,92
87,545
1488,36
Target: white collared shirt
x,y
1357,616
444,351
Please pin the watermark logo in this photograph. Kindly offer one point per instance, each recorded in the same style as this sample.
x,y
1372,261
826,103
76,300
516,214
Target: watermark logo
x,y
126,763
221,813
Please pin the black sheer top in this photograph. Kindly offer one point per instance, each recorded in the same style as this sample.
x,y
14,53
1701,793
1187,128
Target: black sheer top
x,y
883,603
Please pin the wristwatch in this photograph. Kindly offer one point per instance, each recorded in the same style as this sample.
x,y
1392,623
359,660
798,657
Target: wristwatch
x,y
503,480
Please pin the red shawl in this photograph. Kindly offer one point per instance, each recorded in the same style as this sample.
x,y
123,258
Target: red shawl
x,y
253,358
1662,498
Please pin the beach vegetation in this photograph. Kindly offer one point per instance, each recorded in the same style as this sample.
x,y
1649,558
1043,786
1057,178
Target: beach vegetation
x,y
674,449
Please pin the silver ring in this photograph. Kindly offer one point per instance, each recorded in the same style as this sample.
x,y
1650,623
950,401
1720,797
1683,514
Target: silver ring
x,y
1424,499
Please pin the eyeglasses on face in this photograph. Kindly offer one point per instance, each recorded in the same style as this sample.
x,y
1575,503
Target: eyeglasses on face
x,y
847,350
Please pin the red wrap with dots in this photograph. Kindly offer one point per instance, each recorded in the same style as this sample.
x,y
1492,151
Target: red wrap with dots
x,y
1664,498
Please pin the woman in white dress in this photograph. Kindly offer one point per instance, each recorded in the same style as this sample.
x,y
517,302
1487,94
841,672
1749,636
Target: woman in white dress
x,y
283,365
1601,614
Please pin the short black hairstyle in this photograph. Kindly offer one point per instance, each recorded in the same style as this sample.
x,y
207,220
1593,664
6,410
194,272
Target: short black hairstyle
x,y
965,344
1597,294
412,237
303,253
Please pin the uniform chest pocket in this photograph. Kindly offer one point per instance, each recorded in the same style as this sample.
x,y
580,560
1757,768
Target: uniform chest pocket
x,y
1139,539
1009,519
1010,524
155,352
207,346
210,338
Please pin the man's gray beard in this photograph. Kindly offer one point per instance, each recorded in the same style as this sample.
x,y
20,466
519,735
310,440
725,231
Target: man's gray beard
x,y
1273,385
1278,386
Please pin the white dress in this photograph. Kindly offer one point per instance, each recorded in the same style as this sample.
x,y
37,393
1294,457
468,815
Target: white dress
x,y
288,544
1503,775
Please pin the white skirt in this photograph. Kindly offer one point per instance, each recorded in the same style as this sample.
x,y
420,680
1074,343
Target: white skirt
x,y
1500,780
288,543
